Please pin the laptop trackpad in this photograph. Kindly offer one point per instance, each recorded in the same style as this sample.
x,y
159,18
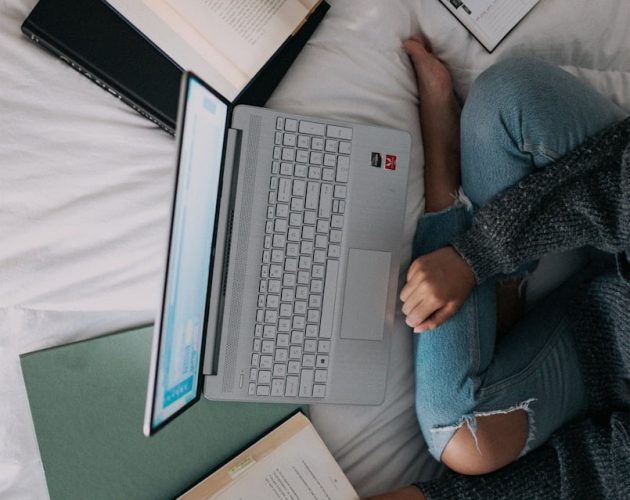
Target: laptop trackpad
x,y
365,297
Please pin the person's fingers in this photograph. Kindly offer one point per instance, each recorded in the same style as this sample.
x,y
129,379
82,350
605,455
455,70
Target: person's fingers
x,y
410,286
416,275
408,291
414,297
413,268
420,286
437,318
421,312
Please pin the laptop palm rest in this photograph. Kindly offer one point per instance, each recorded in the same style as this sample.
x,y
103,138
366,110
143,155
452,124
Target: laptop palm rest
x,y
365,297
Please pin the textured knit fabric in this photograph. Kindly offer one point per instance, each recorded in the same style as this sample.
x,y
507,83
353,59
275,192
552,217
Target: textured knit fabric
x,y
584,199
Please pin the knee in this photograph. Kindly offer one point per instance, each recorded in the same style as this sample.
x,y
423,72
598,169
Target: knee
x,y
506,82
499,440
441,400
498,94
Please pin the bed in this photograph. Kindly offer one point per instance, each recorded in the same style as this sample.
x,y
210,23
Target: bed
x,y
85,184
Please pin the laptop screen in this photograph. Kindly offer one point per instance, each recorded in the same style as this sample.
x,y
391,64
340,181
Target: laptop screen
x,y
177,382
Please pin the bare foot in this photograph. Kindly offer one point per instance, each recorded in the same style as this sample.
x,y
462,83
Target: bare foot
x,y
434,80
439,120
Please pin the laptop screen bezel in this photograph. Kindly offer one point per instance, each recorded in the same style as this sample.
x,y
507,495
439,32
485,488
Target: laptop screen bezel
x,y
149,427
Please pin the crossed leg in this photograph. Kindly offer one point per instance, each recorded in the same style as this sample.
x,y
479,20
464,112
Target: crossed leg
x,y
475,392
500,437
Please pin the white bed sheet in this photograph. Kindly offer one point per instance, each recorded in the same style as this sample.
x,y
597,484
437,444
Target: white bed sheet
x,y
85,183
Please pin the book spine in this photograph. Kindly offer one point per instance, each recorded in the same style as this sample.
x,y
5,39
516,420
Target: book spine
x,y
104,85
262,85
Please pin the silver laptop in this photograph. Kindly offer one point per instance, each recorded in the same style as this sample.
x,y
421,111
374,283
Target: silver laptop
x,y
283,259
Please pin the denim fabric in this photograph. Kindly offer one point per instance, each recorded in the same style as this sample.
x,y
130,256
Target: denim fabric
x,y
520,115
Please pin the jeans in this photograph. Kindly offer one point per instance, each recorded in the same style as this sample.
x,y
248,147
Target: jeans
x,y
521,114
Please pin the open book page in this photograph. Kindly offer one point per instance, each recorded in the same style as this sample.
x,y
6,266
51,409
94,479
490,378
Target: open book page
x,y
246,32
199,43
291,462
489,20
189,50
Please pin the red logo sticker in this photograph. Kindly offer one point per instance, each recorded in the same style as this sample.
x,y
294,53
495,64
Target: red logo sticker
x,y
390,162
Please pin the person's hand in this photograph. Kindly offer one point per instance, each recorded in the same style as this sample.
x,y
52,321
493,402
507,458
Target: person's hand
x,y
437,285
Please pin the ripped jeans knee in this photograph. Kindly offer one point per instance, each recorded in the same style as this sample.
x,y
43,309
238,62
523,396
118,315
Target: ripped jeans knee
x,y
442,434
462,372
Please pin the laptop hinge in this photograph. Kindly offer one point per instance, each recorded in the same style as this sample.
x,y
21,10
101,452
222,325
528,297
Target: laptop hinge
x,y
222,254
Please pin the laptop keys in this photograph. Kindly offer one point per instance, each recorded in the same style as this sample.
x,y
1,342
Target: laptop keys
x,y
303,239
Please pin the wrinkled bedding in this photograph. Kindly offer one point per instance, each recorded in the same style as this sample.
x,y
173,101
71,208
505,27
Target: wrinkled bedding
x,y
85,185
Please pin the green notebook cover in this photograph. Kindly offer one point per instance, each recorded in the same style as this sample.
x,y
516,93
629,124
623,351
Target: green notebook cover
x,y
87,402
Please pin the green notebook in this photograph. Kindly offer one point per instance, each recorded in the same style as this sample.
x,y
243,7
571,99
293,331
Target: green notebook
x,y
87,402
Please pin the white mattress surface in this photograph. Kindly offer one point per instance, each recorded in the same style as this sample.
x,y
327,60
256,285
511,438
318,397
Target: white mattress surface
x,y
85,185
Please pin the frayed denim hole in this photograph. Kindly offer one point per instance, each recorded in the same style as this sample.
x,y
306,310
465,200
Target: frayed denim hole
x,y
531,427
462,200
531,421
471,421
446,429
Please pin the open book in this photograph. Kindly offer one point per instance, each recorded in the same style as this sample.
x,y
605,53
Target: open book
x,y
225,42
291,461
489,21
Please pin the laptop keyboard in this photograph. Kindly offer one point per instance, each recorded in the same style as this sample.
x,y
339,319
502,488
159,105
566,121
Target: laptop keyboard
x,y
300,260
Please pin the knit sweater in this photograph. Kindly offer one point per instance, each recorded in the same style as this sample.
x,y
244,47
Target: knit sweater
x,y
582,199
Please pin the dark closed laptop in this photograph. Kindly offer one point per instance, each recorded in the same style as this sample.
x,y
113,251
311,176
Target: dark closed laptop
x,y
96,41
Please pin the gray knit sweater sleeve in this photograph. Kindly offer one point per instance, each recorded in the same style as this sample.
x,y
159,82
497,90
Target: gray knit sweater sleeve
x,y
582,199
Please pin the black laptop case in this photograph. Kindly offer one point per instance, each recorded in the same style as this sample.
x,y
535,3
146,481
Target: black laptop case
x,y
95,40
